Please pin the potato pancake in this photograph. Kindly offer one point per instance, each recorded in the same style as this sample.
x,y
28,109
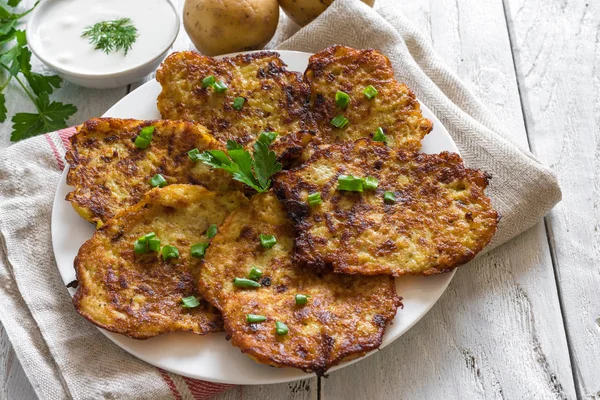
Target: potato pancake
x,y
109,173
393,107
140,295
261,95
423,214
343,316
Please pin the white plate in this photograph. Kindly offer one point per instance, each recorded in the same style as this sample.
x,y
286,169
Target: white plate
x,y
211,357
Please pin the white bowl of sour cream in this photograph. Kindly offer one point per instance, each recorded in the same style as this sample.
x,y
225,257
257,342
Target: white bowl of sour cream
x,y
55,29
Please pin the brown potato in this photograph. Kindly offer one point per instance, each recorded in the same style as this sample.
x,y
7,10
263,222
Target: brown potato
x,y
228,26
303,12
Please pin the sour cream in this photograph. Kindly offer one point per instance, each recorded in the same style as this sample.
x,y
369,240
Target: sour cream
x,y
60,24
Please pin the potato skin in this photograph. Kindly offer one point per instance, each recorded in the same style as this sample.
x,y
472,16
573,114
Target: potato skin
x,y
303,12
228,26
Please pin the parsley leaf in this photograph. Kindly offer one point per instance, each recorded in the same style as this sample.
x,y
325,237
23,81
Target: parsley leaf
x,y
3,109
52,116
254,171
265,164
16,61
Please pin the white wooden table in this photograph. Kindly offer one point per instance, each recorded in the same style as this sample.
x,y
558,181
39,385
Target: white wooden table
x,y
524,321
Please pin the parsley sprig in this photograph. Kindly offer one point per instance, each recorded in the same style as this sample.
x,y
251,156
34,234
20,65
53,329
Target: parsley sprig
x,y
15,63
253,170
109,36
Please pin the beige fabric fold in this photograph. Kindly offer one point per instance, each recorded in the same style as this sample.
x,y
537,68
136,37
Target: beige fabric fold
x,y
66,357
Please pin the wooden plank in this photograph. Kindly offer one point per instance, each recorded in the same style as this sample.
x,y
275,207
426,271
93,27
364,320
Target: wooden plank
x,y
497,332
13,382
557,52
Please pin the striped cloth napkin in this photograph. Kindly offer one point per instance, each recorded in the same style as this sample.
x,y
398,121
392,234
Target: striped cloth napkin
x,y
64,356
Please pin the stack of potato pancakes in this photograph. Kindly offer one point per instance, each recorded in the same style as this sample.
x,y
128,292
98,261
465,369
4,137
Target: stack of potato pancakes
x,y
276,206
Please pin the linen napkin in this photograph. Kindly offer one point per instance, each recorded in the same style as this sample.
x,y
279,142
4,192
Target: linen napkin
x,y
64,356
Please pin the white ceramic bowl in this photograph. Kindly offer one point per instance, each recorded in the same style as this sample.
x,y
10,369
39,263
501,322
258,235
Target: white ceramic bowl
x,y
119,78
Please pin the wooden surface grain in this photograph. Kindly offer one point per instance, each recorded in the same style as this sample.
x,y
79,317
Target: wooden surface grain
x,y
524,321
557,53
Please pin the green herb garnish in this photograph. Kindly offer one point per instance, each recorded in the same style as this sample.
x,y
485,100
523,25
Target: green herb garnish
x,y
389,197
339,121
198,250
267,241
267,137
109,36
148,242
342,99
15,60
255,274
379,136
350,183
370,183
238,103
208,81
301,299
253,170
190,302
370,92
169,252
211,231
281,328
158,181
253,318
314,199
245,283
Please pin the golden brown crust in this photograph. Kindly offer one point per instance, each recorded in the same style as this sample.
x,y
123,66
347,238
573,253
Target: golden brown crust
x,y
276,99
140,295
109,173
441,218
345,316
395,108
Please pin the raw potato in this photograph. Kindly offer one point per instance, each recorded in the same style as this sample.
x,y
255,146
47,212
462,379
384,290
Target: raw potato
x,y
303,12
228,26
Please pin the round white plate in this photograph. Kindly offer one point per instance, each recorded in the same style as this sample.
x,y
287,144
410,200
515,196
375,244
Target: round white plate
x,y
211,357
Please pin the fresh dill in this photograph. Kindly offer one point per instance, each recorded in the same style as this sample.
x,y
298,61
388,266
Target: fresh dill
x,y
109,36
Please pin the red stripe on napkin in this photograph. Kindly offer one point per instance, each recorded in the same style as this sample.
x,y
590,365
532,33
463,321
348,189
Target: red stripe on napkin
x,y
201,390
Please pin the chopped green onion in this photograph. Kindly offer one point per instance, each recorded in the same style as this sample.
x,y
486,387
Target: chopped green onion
x,y
220,87
253,318
342,99
389,197
370,92
208,81
198,250
190,302
255,274
245,283
379,136
301,299
147,132
140,247
350,183
194,154
153,244
339,121
238,103
141,142
281,328
169,252
267,137
314,199
212,231
267,241
371,183
158,180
